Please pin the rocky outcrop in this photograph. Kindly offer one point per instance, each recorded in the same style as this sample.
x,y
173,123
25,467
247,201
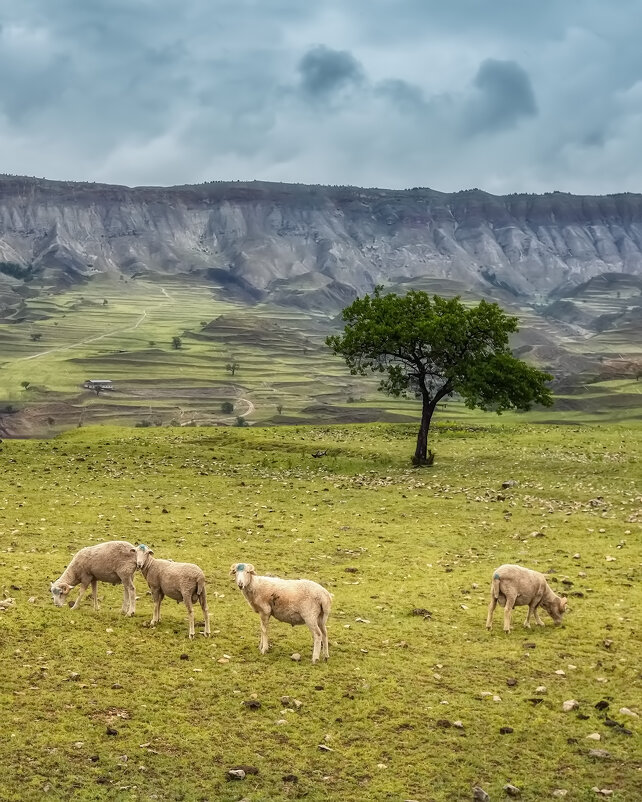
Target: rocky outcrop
x,y
316,246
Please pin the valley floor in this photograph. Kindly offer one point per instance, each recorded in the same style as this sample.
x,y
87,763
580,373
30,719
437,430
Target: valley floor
x,y
96,706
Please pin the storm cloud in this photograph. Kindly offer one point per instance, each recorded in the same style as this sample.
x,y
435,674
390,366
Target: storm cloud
x,y
504,96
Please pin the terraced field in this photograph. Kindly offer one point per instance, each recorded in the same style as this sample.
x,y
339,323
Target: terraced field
x,y
123,330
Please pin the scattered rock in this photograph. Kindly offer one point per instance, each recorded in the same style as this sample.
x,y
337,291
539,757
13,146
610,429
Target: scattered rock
x,y
576,556
512,790
560,792
252,704
324,748
602,791
625,711
530,645
116,686
541,689
594,736
111,731
236,774
509,483
246,769
296,657
570,704
422,612
286,701
458,724
184,656
290,778
602,754
74,676
560,672
351,570
511,682
537,534
479,795
443,722
607,643
506,730
602,705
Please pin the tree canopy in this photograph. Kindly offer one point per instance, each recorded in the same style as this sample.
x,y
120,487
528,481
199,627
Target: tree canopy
x,y
433,347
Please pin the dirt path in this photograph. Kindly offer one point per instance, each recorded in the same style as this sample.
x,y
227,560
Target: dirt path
x,y
100,336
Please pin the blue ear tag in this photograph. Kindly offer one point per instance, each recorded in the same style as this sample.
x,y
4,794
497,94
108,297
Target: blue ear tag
x,y
240,567
142,547
496,576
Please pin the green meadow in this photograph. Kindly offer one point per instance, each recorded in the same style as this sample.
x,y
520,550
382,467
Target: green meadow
x,y
417,702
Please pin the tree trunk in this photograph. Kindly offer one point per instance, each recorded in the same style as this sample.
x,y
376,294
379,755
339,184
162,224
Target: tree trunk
x,y
421,452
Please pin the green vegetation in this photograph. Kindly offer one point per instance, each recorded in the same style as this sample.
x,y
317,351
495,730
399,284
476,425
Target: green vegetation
x,y
432,349
386,540
283,357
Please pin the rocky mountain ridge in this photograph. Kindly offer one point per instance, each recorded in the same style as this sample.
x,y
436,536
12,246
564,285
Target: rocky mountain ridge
x,y
314,246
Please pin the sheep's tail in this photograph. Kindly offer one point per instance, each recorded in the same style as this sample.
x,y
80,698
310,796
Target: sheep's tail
x,y
494,587
200,587
325,604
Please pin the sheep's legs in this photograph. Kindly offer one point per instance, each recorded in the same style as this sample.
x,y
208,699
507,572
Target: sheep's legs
x,y
83,590
203,600
510,603
324,639
491,610
94,593
538,620
158,598
129,596
264,644
190,613
315,629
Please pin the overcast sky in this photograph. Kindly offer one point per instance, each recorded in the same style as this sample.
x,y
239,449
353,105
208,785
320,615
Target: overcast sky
x,y
505,95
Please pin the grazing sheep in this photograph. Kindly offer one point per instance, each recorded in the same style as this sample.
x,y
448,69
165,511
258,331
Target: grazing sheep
x,y
513,585
183,582
293,601
112,562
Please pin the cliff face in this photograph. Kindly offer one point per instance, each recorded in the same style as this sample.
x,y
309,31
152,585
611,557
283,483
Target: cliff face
x,y
316,246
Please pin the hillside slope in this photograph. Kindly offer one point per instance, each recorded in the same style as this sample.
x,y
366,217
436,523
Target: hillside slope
x,y
313,246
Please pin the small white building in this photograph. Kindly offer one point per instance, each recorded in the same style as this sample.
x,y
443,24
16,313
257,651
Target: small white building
x,y
103,384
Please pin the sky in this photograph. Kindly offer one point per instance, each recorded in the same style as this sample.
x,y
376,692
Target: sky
x,y
504,95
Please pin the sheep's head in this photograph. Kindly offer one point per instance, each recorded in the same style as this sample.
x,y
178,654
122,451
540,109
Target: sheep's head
x,y
59,593
142,553
243,573
557,608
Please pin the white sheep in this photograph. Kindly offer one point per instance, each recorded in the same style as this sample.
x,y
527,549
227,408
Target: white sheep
x,y
112,562
293,601
513,585
183,582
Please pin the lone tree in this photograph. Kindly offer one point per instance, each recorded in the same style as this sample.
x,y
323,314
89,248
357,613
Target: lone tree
x,y
232,366
433,347
177,342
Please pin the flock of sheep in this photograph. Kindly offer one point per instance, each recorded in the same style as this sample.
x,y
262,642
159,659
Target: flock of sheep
x,y
293,601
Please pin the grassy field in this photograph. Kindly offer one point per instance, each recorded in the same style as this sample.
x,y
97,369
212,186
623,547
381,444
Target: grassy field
x,y
385,539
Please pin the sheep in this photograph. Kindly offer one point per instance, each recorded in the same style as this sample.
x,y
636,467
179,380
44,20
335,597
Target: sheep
x,y
112,562
293,601
180,581
514,585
